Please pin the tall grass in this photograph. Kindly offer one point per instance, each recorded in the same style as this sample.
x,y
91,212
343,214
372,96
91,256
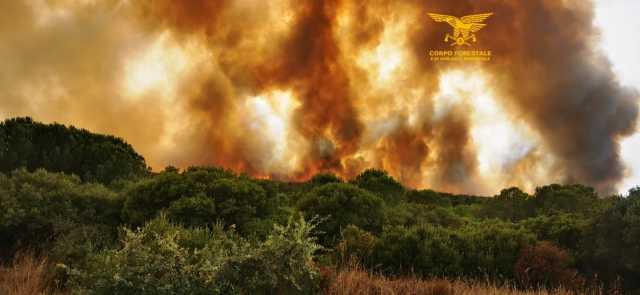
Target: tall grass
x,y
355,281
27,275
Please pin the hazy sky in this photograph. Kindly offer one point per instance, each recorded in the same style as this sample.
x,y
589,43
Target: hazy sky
x,y
620,28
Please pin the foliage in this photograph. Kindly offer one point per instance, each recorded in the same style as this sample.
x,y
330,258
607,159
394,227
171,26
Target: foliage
x,y
206,230
356,246
164,258
200,197
324,178
57,148
474,250
612,247
342,205
281,265
39,208
410,214
511,204
428,197
555,198
380,183
566,230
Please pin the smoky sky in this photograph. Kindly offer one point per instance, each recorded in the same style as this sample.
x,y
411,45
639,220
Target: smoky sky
x,y
359,88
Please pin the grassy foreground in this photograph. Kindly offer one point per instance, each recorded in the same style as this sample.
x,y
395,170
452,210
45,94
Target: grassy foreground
x,y
358,282
27,275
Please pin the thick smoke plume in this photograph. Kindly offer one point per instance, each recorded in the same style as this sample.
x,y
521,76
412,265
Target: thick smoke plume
x,y
286,89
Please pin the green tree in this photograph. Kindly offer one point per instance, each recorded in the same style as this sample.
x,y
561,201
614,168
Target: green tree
x,y
511,204
565,230
57,148
555,198
611,246
324,178
428,197
380,183
343,204
200,197
40,209
422,250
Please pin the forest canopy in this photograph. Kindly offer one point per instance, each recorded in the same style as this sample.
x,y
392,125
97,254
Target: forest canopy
x,y
57,148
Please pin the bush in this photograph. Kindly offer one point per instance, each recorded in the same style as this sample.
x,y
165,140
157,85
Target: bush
x,y
283,264
324,178
159,258
545,265
428,197
164,258
410,214
193,211
200,197
491,248
356,246
564,230
511,204
611,245
555,198
342,205
39,207
473,250
422,250
380,183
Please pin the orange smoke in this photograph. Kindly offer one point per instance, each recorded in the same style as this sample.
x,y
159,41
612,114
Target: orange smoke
x,y
286,89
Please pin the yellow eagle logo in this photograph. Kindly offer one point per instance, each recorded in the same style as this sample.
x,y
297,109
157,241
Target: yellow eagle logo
x,y
463,28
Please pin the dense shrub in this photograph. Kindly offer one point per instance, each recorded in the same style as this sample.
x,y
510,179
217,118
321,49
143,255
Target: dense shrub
x,y
342,205
163,258
564,230
324,178
473,250
193,211
200,197
39,207
428,197
491,248
555,198
422,250
409,214
380,183
511,204
281,265
611,245
356,246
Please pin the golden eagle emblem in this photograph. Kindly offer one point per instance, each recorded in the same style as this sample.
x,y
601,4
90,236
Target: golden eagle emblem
x,y
463,28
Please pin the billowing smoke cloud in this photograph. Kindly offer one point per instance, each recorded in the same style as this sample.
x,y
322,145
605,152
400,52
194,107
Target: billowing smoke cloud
x,y
287,88
63,61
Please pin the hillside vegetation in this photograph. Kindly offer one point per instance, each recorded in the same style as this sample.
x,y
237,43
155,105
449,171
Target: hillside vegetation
x,y
81,213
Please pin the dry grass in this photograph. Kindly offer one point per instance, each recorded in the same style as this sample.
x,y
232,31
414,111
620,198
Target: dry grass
x,y
357,282
27,275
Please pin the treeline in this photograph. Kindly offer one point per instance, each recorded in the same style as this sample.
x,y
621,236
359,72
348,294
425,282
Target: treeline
x,y
207,230
57,148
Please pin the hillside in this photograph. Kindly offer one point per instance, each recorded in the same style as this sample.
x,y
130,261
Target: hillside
x,y
208,230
